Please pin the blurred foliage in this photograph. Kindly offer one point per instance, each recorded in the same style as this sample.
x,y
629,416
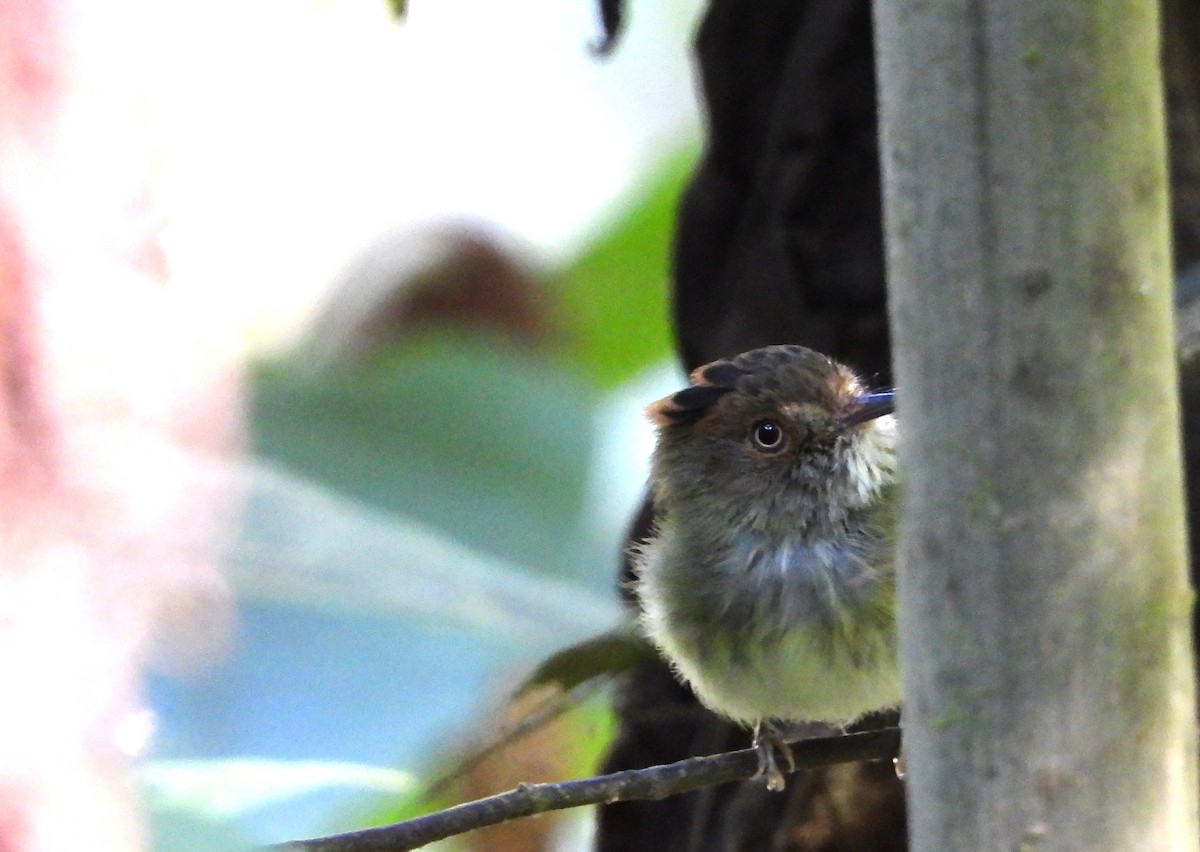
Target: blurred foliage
x,y
472,436
224,787
580,742
478,447
607,655
614,299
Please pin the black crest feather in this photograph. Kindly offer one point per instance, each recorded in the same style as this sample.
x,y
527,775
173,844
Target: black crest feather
x,y
719,373
709,383
690,404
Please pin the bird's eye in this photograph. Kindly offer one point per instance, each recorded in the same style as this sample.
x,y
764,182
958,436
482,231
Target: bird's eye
x,y
767,436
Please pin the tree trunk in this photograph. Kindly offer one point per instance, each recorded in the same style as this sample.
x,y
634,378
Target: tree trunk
x,y
1044,599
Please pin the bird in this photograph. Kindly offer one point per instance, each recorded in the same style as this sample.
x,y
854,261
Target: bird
x,y
768,578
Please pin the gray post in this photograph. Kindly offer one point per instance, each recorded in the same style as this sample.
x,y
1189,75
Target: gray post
x,y
1043,594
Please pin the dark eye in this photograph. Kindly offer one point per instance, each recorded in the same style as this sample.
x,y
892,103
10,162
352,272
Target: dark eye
x,y
767,436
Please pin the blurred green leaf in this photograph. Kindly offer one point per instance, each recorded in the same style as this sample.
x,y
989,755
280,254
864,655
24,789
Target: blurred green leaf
x,y
305,544
614,303
181,830
608,654
468,435
225,788
399,8
592,727
597,727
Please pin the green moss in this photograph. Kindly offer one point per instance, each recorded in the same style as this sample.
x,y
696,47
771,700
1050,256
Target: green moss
x,y
953,715
983,500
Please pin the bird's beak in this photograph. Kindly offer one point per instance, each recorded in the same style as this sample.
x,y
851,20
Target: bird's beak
x,y
871,405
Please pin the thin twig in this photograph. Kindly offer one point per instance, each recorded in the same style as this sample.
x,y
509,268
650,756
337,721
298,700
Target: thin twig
x,y
534,720
655,782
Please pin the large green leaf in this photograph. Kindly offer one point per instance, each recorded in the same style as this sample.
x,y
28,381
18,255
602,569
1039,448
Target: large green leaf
x,y
615,297
469,436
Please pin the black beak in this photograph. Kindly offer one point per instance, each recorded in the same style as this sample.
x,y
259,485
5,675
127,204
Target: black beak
x,y
871,405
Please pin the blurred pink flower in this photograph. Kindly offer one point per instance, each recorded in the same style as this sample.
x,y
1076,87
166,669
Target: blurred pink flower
x,y
114,412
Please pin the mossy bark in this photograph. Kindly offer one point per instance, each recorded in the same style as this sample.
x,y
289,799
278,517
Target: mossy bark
x,y
1044,603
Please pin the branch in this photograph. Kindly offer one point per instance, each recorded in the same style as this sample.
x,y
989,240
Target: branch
x,y
655,782
534,720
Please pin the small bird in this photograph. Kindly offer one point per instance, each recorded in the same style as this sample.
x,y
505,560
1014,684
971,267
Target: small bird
x,y
768,581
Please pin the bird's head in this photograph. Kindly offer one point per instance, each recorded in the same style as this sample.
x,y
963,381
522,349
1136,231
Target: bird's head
x,y
776,437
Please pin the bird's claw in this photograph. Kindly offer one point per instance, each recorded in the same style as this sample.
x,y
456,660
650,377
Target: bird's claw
x,y
769,742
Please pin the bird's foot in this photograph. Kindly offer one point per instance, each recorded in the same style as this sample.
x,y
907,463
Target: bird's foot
x,y
769,743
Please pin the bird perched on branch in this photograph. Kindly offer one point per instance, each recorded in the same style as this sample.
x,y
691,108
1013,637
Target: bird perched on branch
x,y
768,581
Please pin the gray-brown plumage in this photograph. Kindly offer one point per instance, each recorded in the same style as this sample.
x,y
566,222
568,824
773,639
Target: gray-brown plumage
x,y
768,581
